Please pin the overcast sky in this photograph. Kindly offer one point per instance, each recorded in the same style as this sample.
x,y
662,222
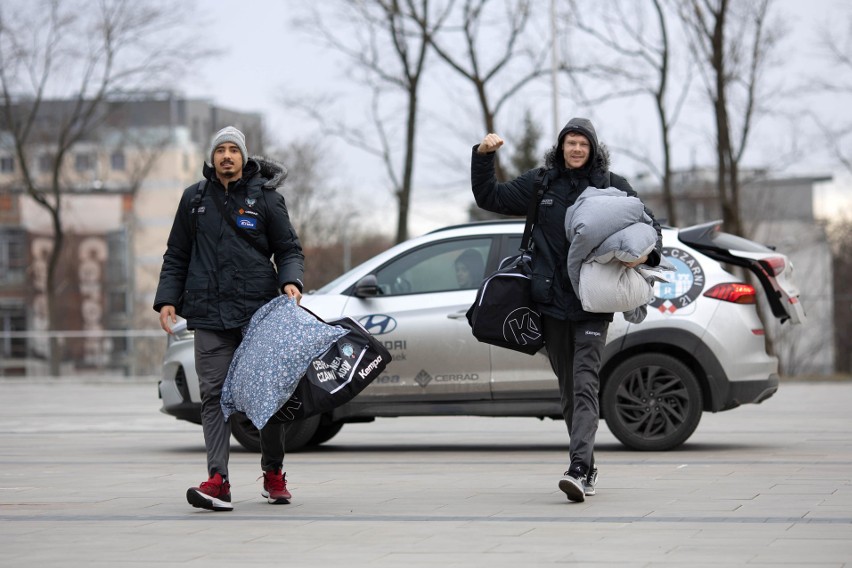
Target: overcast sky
x,y
264,58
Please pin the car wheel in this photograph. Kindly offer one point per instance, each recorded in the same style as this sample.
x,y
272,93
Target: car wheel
x,y
325,432
298,433
652,402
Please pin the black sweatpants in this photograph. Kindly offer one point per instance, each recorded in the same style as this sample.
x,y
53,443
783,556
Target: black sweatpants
x,y
213,353
575,349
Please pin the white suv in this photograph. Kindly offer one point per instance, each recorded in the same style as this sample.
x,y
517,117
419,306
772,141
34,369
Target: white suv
x,y
701,347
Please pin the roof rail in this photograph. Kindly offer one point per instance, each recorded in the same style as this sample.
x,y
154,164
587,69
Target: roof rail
x,y
510,221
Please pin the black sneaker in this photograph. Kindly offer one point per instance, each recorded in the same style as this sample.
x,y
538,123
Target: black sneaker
x,y
573,485
589,482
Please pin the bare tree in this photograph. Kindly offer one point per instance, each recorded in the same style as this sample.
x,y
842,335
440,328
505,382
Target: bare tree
x,y
316,210
496,70
63,66
732,41
390,48
836,44
642,65
840,235
324,218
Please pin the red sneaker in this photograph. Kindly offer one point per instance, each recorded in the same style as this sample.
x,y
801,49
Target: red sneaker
x,y
275,487
213,494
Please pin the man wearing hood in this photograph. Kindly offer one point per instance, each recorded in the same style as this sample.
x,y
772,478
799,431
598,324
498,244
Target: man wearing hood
x,y
231,249
573,337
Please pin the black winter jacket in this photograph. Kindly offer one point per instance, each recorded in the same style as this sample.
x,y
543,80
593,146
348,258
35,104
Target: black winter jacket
x,y
551,288
214,278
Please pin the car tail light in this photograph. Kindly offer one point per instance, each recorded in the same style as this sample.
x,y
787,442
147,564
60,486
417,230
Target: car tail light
x,y
773,265
735,292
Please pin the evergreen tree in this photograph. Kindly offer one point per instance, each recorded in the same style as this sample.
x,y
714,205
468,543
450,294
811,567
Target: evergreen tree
x,y
525,155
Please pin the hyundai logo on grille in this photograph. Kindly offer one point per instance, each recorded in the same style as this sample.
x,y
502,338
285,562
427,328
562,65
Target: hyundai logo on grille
x,y
378,324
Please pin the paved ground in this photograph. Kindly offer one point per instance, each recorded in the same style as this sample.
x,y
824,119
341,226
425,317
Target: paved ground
x,y
93,475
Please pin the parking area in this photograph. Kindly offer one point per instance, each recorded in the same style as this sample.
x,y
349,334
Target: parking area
x,y
91,474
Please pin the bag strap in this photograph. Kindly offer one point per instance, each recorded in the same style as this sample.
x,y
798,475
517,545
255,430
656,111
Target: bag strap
x,y
217,199
539,188
200,189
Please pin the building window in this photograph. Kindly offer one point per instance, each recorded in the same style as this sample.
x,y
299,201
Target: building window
x,y
13,257
45,163
84,162
7,164
12,319
117,302
116,161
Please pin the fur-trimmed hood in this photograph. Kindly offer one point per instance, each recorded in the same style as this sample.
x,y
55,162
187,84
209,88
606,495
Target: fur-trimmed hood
x,y
599,158
272,171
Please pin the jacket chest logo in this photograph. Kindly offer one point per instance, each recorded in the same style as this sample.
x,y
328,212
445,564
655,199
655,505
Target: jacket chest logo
x,y
248,223
250,201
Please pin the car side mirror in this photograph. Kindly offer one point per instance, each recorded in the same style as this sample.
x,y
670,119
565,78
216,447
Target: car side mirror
x,y
367,286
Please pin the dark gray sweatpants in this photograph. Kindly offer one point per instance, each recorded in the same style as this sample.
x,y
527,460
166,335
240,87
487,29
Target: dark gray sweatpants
x,y
214,350
574,349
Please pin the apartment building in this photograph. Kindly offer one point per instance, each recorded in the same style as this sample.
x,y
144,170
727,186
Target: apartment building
x,y
120,188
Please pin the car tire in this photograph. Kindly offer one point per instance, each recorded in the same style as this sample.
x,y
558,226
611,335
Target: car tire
x,y
652,402
298,435
325,432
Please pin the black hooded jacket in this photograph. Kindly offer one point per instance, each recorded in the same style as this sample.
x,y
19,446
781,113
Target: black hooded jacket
x,y
216,279
551,287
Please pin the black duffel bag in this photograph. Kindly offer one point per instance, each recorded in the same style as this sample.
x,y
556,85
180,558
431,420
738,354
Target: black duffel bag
x,y
338,375
504,313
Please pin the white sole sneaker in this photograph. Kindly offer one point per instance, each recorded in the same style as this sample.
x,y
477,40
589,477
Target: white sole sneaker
x,y
589,487
203,501
573,488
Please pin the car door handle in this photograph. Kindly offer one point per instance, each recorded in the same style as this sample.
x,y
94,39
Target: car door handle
x,y
458,315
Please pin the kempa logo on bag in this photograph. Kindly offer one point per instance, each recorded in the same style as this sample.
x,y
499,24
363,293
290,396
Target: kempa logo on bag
x,y
286,411
519,327
365,372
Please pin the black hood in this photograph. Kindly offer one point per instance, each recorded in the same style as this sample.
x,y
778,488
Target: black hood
x,y
271,170
598,153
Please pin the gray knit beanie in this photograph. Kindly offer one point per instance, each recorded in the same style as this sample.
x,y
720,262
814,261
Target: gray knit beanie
x,y
229,134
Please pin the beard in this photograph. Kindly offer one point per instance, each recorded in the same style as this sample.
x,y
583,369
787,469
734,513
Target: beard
x,y
227,174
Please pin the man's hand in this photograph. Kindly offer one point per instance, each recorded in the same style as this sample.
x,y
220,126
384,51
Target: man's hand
x,y
636,263
292,291
167,313
491,143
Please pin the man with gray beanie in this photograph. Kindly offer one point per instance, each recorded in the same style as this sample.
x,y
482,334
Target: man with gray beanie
x,y
231,249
